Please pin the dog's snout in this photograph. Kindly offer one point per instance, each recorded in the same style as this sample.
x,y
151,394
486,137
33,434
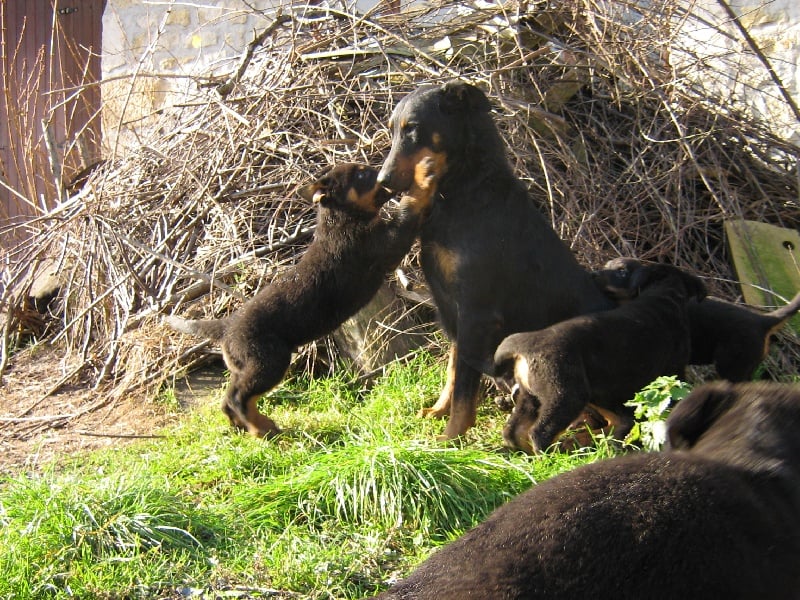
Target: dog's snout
x,y
385,177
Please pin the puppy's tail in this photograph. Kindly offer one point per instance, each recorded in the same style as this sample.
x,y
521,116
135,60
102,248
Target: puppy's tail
x,y
782,314
212,329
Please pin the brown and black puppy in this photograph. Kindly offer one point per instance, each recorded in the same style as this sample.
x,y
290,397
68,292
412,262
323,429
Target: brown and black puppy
x,y
716,516
732,337
352,251
599,360
493,263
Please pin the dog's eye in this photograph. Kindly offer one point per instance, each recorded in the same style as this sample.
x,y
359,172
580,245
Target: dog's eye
x,y
410,129
623,273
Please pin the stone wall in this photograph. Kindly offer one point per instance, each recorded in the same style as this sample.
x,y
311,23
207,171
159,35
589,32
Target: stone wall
x,y
151,51
775,28
165,44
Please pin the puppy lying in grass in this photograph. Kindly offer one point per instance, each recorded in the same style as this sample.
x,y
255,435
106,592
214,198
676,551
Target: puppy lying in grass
x,y
599,360
717,515
352,251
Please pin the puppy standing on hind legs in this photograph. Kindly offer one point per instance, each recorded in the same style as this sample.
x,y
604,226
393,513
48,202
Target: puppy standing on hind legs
x,y
352,251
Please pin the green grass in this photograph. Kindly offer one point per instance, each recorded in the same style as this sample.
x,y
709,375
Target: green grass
x,y
356,492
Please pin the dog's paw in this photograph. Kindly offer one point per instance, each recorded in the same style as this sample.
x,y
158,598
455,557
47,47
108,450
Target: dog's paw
x,y
433,413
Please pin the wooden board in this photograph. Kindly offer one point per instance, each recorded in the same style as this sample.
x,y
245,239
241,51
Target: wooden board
x,y
767,262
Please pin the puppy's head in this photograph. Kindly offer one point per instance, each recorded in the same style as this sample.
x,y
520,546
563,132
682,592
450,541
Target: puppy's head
x,y
517,431
350,187
750,425
625,278
430,120
615,278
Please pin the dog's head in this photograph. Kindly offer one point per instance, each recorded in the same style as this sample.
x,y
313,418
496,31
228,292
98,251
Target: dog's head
x,y
517,431
615,278
512,373
625,278
750,425
433,120
350,187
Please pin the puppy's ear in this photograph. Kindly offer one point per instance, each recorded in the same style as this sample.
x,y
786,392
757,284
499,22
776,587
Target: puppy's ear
x,y
458,96
307,191
644,276
695,414
320,191
694,286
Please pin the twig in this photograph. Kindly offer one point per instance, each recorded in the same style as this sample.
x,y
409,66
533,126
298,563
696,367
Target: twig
x,y
762,57
280,19
128,436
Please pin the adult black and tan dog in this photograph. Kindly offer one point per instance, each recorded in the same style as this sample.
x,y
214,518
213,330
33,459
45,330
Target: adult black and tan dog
x,y
493,263
732,337
598,360
715,516
352,251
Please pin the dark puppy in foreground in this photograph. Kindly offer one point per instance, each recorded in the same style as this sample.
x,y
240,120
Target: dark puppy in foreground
x,y
599,360
352,251
493,263
715,516
734,338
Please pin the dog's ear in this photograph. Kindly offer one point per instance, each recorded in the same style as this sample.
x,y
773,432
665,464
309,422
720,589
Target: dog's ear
x,y
458,96
644,276
318,192
694,285
307,192
695,414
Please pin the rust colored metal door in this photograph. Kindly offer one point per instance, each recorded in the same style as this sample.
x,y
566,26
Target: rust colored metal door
x,y
50,103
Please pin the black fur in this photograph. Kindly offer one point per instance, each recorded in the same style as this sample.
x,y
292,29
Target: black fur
x,y
600,360
493,263
732,337
342,269
718,516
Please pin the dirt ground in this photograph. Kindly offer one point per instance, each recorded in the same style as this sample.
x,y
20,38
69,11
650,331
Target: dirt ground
x,y
37,427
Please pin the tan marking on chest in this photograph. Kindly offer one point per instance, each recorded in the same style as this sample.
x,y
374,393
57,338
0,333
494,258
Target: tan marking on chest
x,y
365,202
446,262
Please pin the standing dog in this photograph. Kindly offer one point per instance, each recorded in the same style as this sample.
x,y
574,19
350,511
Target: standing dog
x,y
342,269
599,360
716,516
493,264
734,338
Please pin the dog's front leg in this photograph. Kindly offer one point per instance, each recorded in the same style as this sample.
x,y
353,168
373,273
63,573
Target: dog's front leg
x,y
442,407
464,401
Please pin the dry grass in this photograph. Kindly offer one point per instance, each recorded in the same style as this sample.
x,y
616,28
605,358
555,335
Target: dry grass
x,y
624,151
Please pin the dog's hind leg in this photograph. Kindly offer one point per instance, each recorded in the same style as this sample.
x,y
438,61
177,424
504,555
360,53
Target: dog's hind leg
x,y
244,415
442,407
254,373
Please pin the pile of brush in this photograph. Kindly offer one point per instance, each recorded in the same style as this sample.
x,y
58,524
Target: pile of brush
x,y
602,106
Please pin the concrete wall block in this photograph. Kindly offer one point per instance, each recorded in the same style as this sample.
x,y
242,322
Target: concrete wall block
x,y
180,16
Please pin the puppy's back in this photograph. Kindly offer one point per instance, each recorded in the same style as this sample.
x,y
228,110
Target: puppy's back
x,y
647,526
